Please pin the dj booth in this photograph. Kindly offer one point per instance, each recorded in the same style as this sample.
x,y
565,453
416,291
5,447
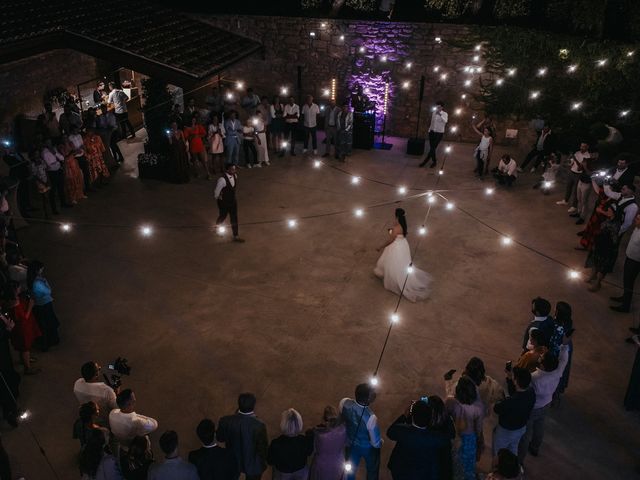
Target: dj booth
x,y
364,124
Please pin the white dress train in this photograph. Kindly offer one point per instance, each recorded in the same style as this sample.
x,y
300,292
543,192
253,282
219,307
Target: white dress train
x,y
393,266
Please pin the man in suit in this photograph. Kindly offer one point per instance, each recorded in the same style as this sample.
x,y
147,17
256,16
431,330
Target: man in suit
x,y
621,175
418,450
246,437
225,195
544,146
213,462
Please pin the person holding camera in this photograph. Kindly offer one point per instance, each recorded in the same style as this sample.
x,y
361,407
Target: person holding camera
x,y
418,449
125,423
89,388
513,412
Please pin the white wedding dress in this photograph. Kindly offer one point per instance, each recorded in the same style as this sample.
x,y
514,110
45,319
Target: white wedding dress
x,y
393,267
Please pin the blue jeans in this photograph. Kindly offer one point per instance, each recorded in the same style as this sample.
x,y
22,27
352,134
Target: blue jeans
x,y
509,439
233,152
371,459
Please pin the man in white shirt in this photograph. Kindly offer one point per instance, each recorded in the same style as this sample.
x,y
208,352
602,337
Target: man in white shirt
x,y
626,207
506,171
310,113
89,388
331,129
53,159
125,423
578,162
544,381
119,100
439,119
291,117
630,272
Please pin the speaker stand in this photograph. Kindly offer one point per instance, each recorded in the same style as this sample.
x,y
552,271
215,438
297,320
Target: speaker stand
x,y
383,145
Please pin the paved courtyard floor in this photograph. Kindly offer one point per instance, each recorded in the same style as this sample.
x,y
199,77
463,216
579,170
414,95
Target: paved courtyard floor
x,y
296,315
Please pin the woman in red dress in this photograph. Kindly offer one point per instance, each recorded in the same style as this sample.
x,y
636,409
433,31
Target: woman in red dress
x,y
94,150
589,234
73,179
195,135
26,329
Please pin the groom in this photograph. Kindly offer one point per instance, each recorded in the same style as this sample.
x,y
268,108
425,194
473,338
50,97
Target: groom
x,y
225,194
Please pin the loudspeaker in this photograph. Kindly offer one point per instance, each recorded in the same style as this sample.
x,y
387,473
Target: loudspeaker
x,y
415,146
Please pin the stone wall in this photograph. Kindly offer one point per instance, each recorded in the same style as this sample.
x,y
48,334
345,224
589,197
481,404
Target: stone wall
x,y
352,52
25,81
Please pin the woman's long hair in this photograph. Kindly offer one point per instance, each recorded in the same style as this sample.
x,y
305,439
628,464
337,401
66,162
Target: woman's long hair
x,y
402,220
563,315
92,453
32,272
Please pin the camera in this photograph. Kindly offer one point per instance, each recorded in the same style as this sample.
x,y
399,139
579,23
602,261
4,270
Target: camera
x,y
115,370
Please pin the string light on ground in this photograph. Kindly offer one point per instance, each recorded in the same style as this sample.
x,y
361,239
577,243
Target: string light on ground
x,y
573,274
489,191
453,129
441,172
402,190
542,71
358,212
65,227
146,230
506,241
395,318
24,415
432,199
355,180
447,149
410,269
547,184
348,467
572,68
317,164
450,206
292,223
535,94
221,229
374,381
422,230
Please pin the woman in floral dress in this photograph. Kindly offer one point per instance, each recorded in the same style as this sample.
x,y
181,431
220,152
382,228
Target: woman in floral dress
x,y
73,180
94,149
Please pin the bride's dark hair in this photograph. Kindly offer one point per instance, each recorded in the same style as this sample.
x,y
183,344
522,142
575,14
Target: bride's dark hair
x,y
402,220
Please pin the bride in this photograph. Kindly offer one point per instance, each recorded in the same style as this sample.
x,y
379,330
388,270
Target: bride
x,y
393,265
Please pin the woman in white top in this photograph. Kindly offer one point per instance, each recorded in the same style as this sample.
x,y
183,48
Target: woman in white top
x,y
261,140
482,152
395,266
215,140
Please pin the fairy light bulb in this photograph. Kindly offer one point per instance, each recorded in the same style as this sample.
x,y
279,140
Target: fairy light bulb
x,y
440,172
348,467
432,199
438,39
284,91
405,84
476,58
547,184
573,274
422,230
146,230
402,190
408,65
576,105
512,72
467,83
342,38
383,58
602,62
631,53
499,82
317,164
436,68
542,71
358,212
534,94
361,50
239,85
374,381
25,415
410,269
453,129
624,113
489,191
221,229
355,180
443,76
292,223
463,96
312,34
323,24
572,68
285,144
325,92
65,227
506,241
447,149
395,318
477,47
229,96
449,206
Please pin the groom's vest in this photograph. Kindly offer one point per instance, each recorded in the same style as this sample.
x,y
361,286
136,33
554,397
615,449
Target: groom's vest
x,y
356,421
228,193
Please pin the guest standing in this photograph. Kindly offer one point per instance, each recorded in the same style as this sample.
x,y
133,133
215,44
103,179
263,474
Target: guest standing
x,y
53,160
329,442
79,151
233,132
439,119
577,168
513,412
331,129
467,412
119,100
310,113
544,146
94,152
73,179
363,434
212,461
482,153
345,132
291,118
631,269
97,462
178,155
249,150
173,467
43,308
107,121
277,127
135,462
289,452
225,195
195,135
215,139
9,392
261,138
246,437
26,329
